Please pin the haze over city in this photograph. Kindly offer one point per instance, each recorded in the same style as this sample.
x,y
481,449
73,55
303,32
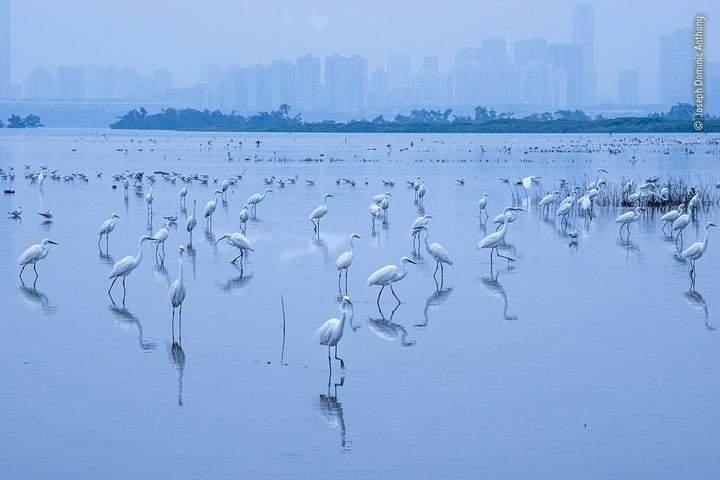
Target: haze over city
x,y
185,39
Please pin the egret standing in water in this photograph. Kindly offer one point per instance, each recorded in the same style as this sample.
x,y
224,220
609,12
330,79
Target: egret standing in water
x,y
671,216
33,254
191,222
416,228
183,194
149,200
160,237
319,212
330,333
344,260
440,255
244,216
105,228
679,224
627,218
494,240
696,250
256,198
126,265
482,206
239,241
176,294
387,275
210,209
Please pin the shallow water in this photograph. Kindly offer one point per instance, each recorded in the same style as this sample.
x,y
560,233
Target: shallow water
x,y
593,361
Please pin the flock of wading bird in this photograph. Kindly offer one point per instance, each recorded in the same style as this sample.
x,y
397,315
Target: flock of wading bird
x,y
566,203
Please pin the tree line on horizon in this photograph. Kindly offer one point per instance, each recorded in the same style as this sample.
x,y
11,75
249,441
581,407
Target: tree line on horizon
x,y
16,121
485,120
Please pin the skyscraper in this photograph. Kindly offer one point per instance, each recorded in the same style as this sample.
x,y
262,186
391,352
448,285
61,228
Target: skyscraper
x,y
569,58
5,87
583,35
307,81
676,67
346,83
628,87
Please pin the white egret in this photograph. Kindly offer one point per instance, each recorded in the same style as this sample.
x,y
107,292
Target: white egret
x,y
494,240
160,237
239,241
256,198
548,200
244,216
385,204
374,213
319,212
126,185
482,207
210,209
671,216
149,200
126,265
344,260
387,275
696,250
416,187
627,218
416,228
183,194
330,333
191,222
33,254
223,188
439,253
176,293
679,224
380,197
106,227
421,193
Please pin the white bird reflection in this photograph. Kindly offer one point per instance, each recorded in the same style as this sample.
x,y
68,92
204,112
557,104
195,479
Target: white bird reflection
x,y
233,285
37,300
697,301
493,287
127,320
438,298
176,355
389,331
332,411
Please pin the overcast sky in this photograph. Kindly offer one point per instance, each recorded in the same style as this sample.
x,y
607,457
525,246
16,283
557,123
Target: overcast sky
x,y
182,35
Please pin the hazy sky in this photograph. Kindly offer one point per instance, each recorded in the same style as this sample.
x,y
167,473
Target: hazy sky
x,y
182,35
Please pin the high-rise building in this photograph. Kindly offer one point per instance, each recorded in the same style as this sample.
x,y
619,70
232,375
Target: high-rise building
x,y
531,50
5,86
346,83
40,84
569,57
583,35
431,65
307,83
676,67
71,82
281,77
628,87
399,71
494,49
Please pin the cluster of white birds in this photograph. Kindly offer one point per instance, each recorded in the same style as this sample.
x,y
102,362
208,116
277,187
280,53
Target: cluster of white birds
x,y
330,333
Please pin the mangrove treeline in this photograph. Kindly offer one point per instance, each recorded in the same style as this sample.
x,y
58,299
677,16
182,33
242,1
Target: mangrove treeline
x,y
677,119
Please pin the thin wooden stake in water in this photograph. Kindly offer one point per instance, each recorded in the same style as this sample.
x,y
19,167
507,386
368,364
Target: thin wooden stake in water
x,y
282,352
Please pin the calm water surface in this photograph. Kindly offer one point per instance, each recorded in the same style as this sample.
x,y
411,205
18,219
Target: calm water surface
x,y
587,361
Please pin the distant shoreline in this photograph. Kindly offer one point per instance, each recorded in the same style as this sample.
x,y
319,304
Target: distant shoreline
x,y
281,122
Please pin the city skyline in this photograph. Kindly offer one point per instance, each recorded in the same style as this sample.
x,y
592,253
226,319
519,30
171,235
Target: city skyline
x,y
575,34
